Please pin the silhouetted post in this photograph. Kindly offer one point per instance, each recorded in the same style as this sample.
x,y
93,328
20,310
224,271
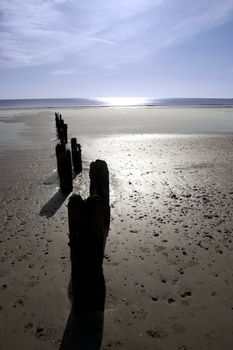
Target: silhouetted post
x,y
86,251
59,126
58,129
65,127
76,155
79,156
61,122
65,171
60,148
61,131
57,119
99,184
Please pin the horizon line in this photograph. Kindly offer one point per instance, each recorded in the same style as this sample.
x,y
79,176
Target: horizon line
x,y
112,98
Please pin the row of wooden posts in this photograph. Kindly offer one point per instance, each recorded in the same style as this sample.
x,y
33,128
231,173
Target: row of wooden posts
x,y
64,160
89,222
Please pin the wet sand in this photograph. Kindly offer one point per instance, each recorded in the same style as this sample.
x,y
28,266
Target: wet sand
x,y
168,263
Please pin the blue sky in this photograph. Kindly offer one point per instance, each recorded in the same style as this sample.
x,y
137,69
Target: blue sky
x,y
104,48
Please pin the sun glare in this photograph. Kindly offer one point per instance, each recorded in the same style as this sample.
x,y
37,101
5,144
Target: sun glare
x,y
124,101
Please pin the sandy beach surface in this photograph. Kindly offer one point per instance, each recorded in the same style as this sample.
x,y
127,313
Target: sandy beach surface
x,y
168,263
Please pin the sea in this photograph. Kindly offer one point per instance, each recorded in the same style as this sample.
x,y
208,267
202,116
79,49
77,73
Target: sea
x,y
115,102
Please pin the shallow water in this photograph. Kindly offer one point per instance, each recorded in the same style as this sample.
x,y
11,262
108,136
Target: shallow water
x,y
110,121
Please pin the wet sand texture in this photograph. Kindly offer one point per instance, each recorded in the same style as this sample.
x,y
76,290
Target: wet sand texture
x,y
168,260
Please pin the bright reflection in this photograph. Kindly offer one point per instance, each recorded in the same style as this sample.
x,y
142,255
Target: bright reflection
x,y
125,101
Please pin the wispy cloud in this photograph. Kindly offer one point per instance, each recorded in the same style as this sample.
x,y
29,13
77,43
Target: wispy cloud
x,y
64,72
99,32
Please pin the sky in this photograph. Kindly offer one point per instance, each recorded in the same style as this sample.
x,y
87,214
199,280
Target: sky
x,y
110,48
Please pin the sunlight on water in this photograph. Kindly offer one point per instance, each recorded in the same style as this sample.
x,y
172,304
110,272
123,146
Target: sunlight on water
x,y
125,101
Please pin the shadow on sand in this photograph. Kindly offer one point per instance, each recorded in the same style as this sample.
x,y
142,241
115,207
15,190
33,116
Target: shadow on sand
x,y
84,327
54,203
87,290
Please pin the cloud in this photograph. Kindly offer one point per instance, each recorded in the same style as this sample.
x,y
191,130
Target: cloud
x,y
60,1
64,72
100,33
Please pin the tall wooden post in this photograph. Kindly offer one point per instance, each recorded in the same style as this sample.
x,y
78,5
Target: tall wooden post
x,y
76,155
86,251
65,127
99,185
79,156
60,148
65,171
57,119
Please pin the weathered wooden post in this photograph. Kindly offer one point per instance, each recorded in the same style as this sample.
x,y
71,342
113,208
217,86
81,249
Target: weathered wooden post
x,y
57,119
79,151
86,251
61,122
58,128
76,155
60,148
65,171
65,127
99,184
61,128
61,131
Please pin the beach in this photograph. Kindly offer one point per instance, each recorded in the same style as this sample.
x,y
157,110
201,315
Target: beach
x,y
168,259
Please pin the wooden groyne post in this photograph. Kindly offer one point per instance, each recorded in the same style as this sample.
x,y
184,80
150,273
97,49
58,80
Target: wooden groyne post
x,y
99,185
61,128
57,119
61,131
86,236
64,169
60,148
76,155
65,127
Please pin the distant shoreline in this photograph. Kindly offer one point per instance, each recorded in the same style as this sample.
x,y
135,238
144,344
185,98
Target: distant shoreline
x,y
116,103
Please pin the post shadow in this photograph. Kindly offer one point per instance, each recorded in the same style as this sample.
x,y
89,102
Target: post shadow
x,y
84,328
53,204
